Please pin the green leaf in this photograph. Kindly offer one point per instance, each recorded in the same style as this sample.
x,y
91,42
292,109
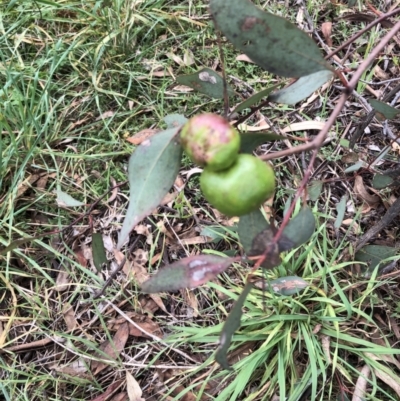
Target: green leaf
x,y
250,141
250,225
302,88
152,170
314,190
206,81
381,181
374,254
256,236
341,209
254,99
356,166
98,252
289,285
387,111
232,323
175,120
63,199
298,231
270,41
187,273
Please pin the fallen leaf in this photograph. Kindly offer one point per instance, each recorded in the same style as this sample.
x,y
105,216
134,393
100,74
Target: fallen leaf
x,y
114,386
106,114
143,321
361,385
77,368
120,397
26,184
62,281
65,200
390,379
244,57
144,230
141,136
193,305
80,257
362,194
112,349
326,29
69,316
133,388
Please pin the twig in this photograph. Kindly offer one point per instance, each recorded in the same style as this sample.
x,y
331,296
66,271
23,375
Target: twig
x,y
389,216
359,33
320,138
22,241
317,142
116,270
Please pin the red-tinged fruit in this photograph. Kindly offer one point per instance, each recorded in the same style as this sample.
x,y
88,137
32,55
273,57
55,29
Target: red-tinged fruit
x,y
210,141
240,189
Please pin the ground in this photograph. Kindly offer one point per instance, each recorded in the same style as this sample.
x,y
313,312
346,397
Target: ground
x,y
82,83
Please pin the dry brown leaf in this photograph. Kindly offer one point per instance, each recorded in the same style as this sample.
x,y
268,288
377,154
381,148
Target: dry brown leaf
x,y
75,368
141,256
133,388
244,57
80,257
191,299
380,74
169,198
62,282
69,316
354,226
183,88
326,29
112,388
200,239
361,385
149,326
119,257
390,379
362,194
144,230
142,135
140,273
106,114
120,397
112,349
26,184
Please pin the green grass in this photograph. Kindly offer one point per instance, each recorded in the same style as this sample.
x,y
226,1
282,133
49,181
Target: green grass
x,y
76,79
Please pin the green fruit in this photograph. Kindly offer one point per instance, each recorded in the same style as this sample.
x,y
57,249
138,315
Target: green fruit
x,y
241,188
209,140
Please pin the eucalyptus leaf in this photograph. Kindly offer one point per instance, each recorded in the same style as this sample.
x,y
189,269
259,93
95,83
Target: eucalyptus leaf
x,y
187,273
250,225
298,231
152,170
98,252
381,181
270,41
388,112
175,120
206,81
315,189
289,285
254,99
341,209
63,199
373,255
250,141
232,323
302,88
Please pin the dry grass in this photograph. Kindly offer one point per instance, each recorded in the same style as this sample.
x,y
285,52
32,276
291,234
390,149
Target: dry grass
x,y
78,79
